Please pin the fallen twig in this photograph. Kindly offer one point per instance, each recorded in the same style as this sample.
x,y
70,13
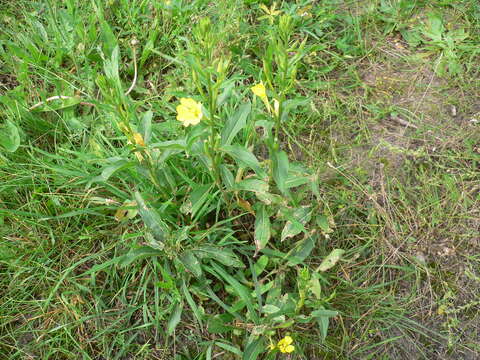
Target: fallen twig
x,y
403,122
58,97
133,43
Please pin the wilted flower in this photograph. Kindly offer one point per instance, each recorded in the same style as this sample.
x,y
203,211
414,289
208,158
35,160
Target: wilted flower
x,y
276,107
189,112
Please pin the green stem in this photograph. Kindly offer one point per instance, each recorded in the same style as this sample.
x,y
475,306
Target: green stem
x,y
277,118
214,154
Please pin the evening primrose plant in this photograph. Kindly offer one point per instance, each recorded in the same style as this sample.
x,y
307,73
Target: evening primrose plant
x,y
229,224
151,203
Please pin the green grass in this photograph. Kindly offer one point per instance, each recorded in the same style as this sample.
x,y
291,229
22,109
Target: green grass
x,y
401,201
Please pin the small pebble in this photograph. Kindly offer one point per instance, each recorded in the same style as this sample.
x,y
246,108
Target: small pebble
x,y
453,110
420,258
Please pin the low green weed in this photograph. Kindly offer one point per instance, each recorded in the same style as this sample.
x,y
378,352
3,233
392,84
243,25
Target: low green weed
x,y
180,179
205,197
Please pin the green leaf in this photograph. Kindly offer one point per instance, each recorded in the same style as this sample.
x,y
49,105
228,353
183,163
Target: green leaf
x,y
227,91
302,249
262,227
198,197
280,170
109,171
324,224
244,157
219,324
315,287
224,256
323,318
242,292
271,309
235,123
110,67
170,145
9,137
196,311
137,254
434,28
174,319
227,177
324,313
254,185
208,353
191,263
295,225
290,105
229,347
58,104
123,260
224,306
145,127
108,38
331,260
295,180
253,349
150,44
151,219
261,264
271,199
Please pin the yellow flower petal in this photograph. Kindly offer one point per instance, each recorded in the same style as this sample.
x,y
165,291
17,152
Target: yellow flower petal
x,y
287,340
188,102
285,346
259,90
189,112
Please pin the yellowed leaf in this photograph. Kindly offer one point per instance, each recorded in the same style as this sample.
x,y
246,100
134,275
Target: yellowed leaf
x,y
245,205
138,139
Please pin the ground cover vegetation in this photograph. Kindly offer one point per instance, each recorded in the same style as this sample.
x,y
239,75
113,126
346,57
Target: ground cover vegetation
x,y
239,179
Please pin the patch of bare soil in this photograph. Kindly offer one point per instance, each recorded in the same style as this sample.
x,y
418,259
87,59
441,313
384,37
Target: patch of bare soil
x,y
436,116
7,82
411,83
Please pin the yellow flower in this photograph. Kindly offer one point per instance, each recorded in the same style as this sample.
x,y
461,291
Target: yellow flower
x,y
189,112
260,91
285,345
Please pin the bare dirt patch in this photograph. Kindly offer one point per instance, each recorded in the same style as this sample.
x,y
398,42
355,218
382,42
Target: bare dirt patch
x,y
435,121
7,82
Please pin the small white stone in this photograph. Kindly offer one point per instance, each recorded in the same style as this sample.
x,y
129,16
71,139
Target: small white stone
x,y
453,110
